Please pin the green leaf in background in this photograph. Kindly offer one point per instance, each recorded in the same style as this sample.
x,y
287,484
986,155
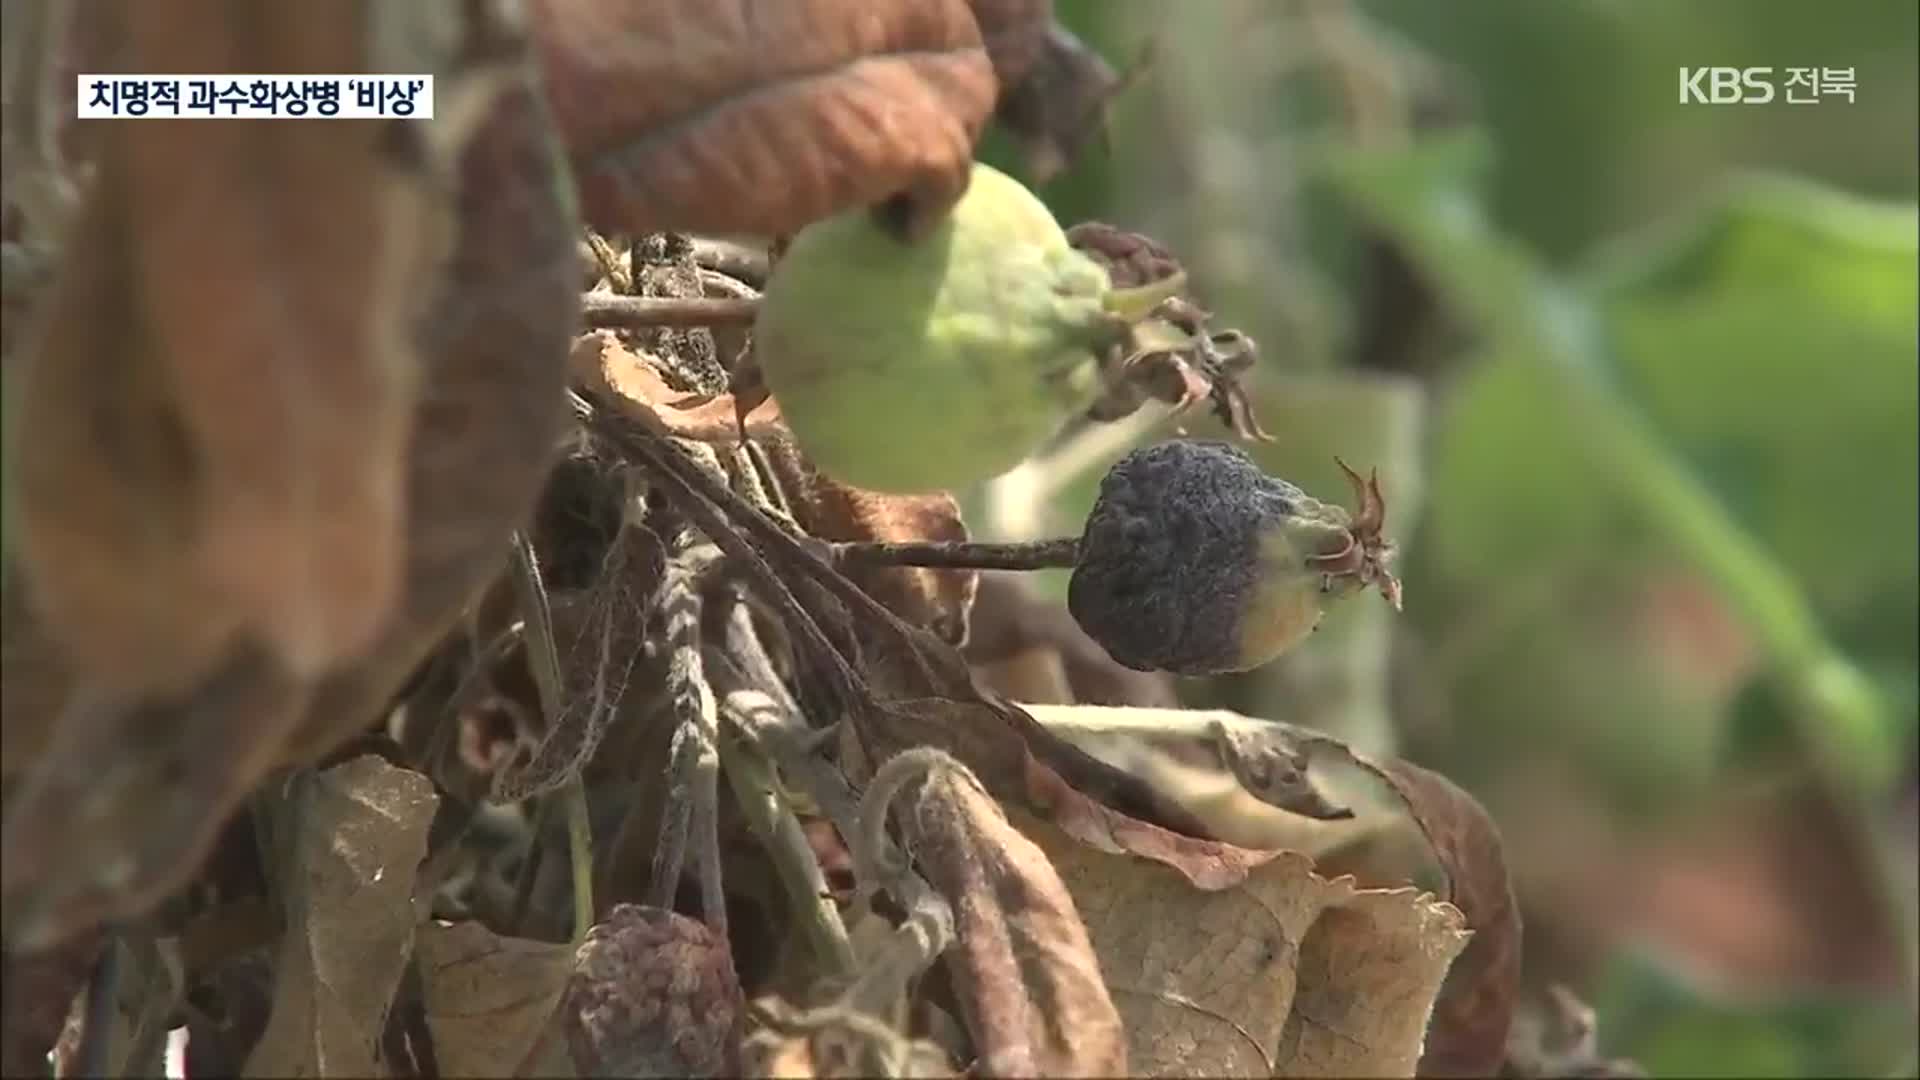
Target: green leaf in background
x,y
1681,1028
1771,339
1607,452
1730,400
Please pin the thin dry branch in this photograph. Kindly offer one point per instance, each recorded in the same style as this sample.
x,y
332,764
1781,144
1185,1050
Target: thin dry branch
x,y
604,310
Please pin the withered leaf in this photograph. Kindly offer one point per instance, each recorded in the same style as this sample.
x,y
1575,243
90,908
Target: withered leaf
x,y
219,408
653,993
632,384
127,797
492,403
351,845
1024,972
830,510
1285,974
1472,1022
488,998
131,792
1259,785
762,116
1411,826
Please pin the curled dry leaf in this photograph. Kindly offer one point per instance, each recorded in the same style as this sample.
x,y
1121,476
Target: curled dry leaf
x,y
349,842
1475,1015
1024,972
653,993
1406,825
830,510
129,795
1284,974
492,404
126,798
488,998
762,116
213,431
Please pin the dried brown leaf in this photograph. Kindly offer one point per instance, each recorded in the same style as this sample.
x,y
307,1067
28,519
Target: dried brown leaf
x,y
762,116
632,384
488,998
827,509
653,993
1025,972
1474,1017
352,843
259,404
127,797
492,406
1410,826
1284,974
130,794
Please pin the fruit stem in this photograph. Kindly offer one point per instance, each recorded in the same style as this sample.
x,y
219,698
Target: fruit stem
x,y
606,310
962,554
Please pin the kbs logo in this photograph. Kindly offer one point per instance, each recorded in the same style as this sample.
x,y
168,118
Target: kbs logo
x,y
1755,85
1726,86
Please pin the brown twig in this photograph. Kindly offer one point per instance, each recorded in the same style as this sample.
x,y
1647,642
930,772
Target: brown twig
x,y
1053,554
603,310
736,261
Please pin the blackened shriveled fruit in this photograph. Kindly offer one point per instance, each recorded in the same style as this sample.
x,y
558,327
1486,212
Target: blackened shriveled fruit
x,y
1196,562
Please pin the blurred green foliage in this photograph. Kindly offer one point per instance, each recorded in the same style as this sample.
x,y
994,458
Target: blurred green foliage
x,y
1688,387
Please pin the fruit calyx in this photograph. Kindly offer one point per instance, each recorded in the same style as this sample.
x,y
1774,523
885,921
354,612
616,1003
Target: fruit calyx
x,y
1366,552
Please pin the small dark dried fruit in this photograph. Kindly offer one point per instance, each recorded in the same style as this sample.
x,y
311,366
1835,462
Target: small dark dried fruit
x,y
653,994
1195,561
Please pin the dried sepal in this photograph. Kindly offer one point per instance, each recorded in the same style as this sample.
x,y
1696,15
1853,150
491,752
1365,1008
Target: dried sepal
x,y
1172,352
1367,552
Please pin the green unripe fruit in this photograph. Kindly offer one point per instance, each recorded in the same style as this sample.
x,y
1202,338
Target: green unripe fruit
x,y
936,363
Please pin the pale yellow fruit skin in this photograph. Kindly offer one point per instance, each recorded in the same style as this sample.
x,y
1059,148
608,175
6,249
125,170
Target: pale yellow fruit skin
x,y
937,364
